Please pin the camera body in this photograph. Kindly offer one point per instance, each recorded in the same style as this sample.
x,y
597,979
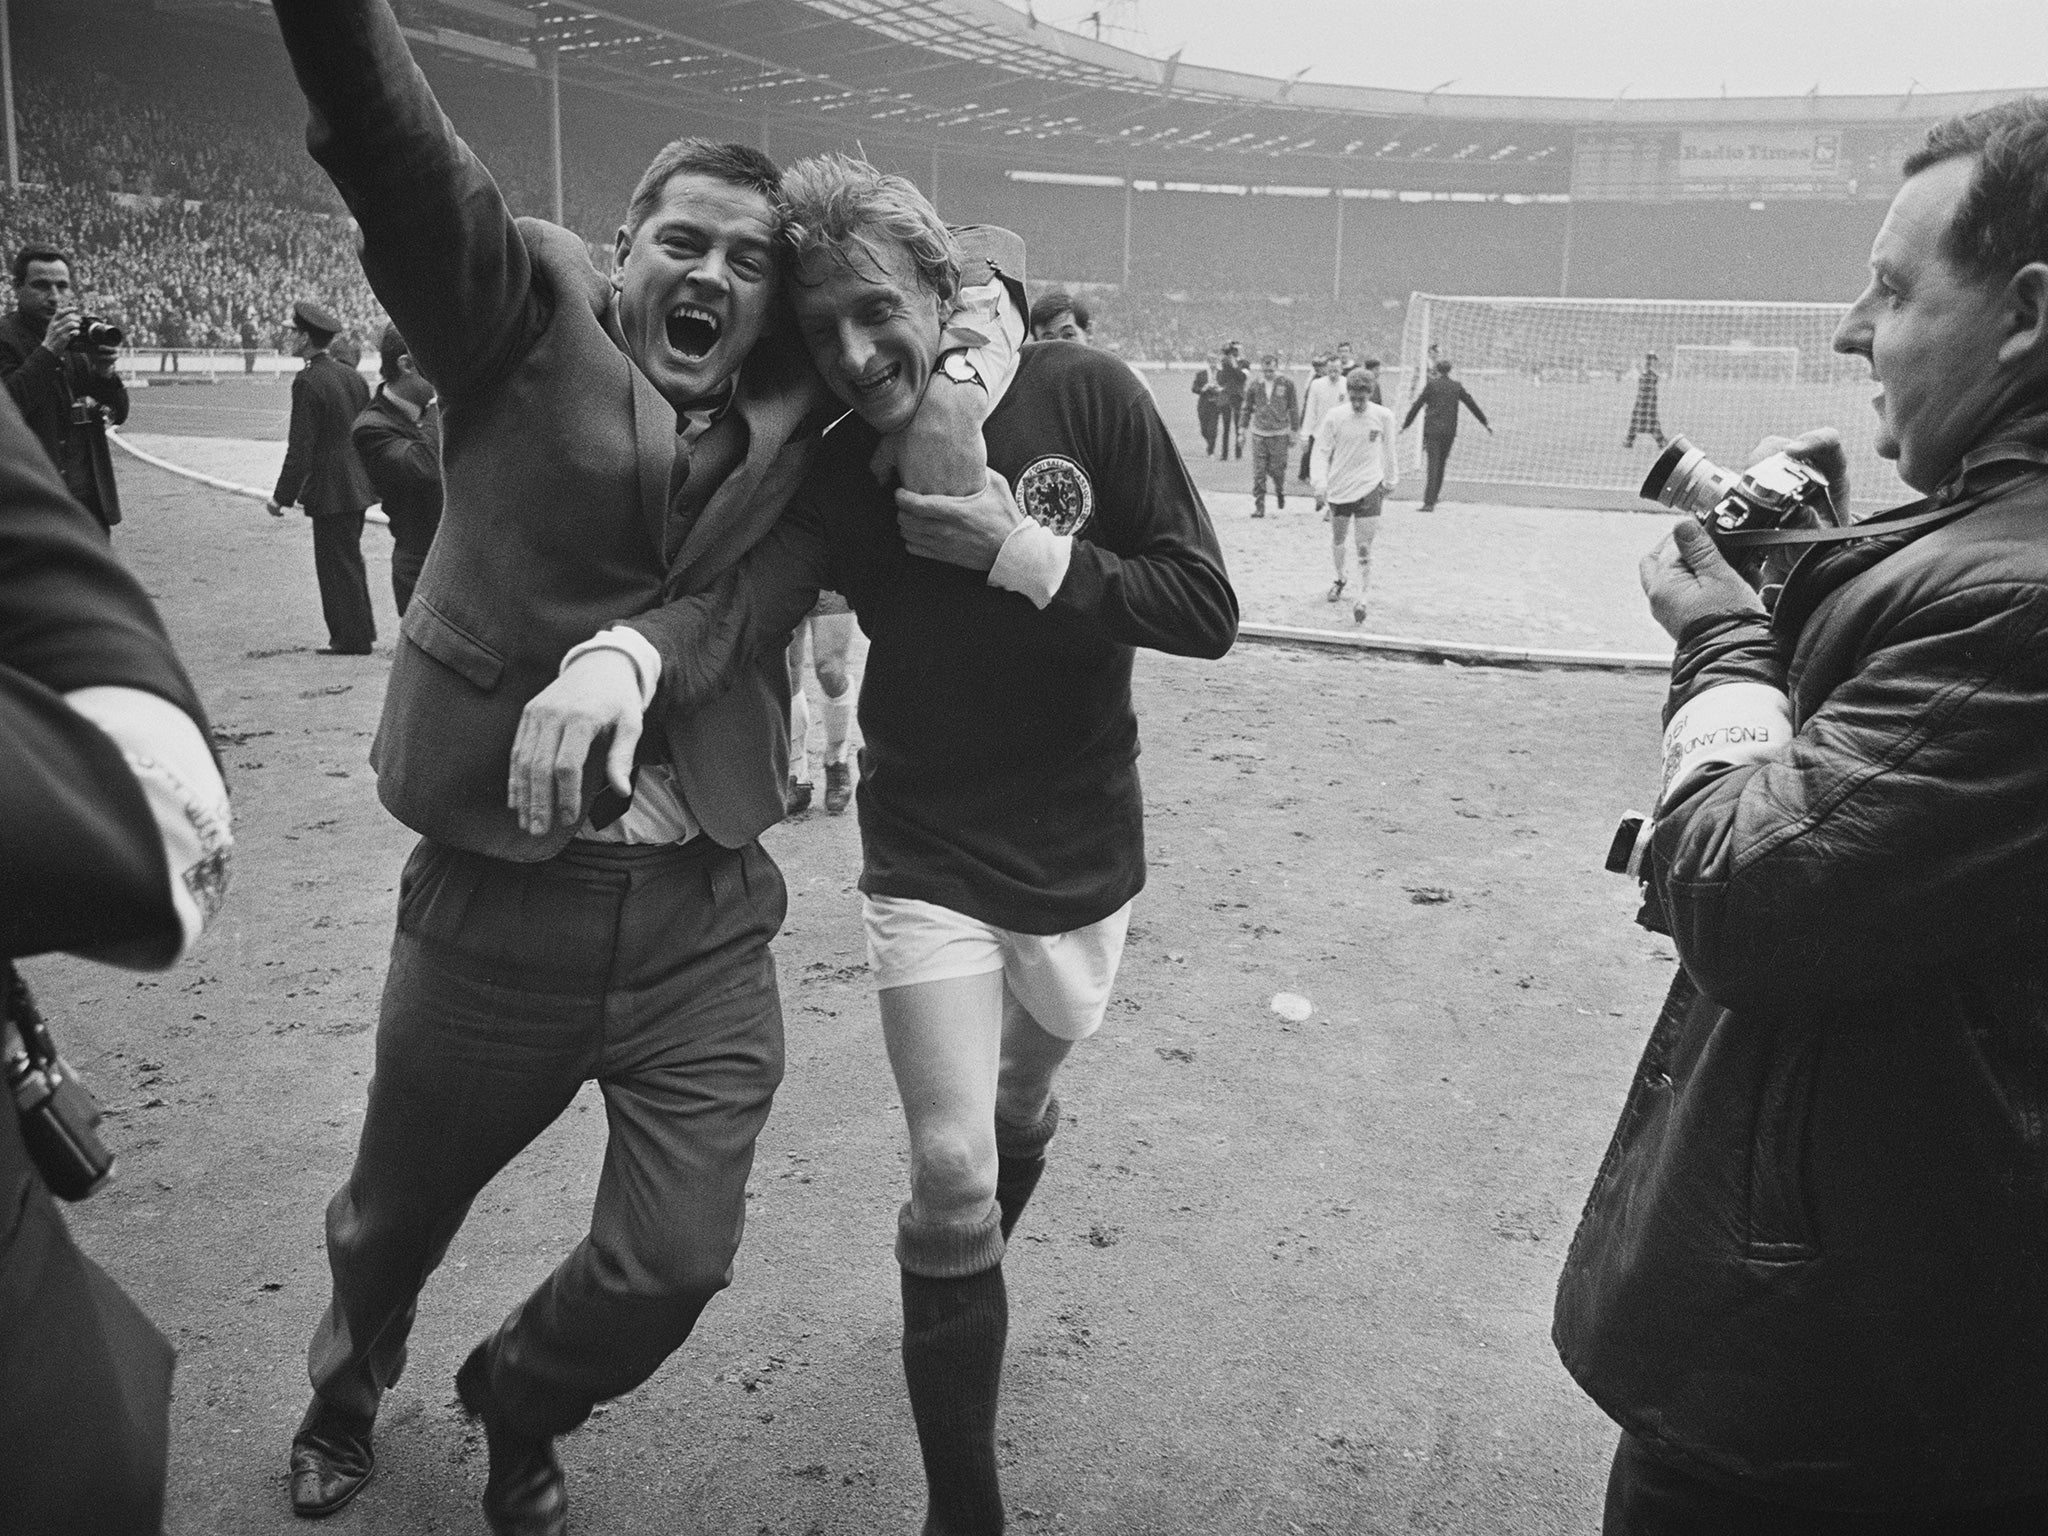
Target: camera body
x,y
1777,492
58,1114
94,332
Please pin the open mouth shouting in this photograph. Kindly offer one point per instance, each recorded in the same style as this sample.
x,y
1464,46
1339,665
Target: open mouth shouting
x,y
693,330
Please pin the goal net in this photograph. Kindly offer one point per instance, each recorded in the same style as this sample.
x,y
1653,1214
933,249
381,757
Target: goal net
x,y
1579,391
1739,362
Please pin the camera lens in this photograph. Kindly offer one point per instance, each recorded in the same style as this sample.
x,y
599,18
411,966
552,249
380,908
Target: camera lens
x,y
1686,480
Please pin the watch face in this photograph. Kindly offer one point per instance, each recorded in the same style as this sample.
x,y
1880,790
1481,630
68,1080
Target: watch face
x,y
959,370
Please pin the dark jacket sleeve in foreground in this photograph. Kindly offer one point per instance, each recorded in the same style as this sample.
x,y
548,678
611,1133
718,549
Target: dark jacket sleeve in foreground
x,y
439,245
708,638
1163,584
1904,824
81,861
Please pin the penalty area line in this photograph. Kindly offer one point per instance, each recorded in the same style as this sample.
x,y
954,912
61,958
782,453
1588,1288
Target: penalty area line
x,y
1455,650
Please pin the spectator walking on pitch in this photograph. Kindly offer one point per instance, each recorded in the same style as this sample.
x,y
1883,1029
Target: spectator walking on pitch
x,y
1273,414
1059,316
398,437
826,633
1371,367
1207,388
325,478
1324,394
1232,374
1438,404
1354,471
1642,418
66,394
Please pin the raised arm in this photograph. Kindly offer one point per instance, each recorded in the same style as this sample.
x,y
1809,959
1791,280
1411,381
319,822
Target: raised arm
x,y
439,245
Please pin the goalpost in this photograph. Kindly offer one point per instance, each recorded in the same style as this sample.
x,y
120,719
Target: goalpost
x,y
1562,382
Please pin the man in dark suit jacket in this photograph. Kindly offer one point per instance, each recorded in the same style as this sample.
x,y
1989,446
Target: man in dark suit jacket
x,y
398,438
603,454
323,475
113,845
1438,403
66,395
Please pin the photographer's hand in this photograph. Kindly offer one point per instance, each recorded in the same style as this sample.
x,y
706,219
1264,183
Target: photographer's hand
x,y
1688,583
1820,449
63,326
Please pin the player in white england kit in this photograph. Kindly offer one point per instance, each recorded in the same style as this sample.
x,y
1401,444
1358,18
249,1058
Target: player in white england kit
x,y
1352,469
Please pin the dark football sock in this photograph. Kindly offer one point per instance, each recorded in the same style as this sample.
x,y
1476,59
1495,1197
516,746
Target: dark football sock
x,y
1020,1159
954,1330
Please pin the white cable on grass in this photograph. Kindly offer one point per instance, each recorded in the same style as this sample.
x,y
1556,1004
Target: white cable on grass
x,y
375,514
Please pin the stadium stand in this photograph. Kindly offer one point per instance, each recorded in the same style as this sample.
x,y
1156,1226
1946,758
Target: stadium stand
x,y
172,163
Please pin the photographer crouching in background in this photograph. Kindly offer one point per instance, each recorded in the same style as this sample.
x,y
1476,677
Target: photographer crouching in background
x,y
58,365
114,845
1811,1281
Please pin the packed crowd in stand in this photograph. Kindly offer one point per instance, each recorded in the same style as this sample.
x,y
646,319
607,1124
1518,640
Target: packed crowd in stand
x,y
190,208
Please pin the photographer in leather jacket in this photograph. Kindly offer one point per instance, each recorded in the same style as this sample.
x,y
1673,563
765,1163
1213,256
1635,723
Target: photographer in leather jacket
x,y
114,845
1811,1281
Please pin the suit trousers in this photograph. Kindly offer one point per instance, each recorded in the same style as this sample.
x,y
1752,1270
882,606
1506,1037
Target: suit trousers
x,y
1436,453
1648,1495
511,985
1232,419
406,565
344,583
1269,462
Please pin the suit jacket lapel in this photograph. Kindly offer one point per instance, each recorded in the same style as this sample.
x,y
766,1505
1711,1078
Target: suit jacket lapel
x,y
654,439
778,390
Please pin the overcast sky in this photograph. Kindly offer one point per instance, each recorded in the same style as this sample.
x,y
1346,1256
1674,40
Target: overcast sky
x,y
1595,48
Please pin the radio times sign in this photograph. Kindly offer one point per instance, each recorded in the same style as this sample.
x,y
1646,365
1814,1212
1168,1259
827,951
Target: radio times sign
x,y
1774,154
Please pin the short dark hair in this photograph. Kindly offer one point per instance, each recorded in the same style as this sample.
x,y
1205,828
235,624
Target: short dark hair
x,y
2001,224
1371,362
390,348
36,252
739,165
1053,303
1443,365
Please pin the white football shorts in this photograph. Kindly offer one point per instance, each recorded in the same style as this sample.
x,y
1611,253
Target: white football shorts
x,y
1062,980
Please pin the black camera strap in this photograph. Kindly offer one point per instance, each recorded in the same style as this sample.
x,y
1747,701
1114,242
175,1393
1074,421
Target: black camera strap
x,y
1772,538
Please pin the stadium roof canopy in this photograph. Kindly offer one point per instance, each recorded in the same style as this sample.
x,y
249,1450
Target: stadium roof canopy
x,y
976,77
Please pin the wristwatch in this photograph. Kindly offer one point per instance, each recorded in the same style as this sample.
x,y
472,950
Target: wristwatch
x,y
955,366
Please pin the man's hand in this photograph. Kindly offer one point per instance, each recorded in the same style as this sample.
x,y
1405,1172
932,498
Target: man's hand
x,y
960,530
941,452
1820,450
63,326
599,693
102,360
1688,582
273,509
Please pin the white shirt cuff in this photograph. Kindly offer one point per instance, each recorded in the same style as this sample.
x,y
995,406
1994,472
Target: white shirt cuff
x,y
183,789
1728,726
984,321
637,649
1033,561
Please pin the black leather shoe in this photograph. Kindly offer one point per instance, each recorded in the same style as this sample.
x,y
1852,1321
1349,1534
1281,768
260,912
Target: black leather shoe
x,y
524,1496
331,1460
